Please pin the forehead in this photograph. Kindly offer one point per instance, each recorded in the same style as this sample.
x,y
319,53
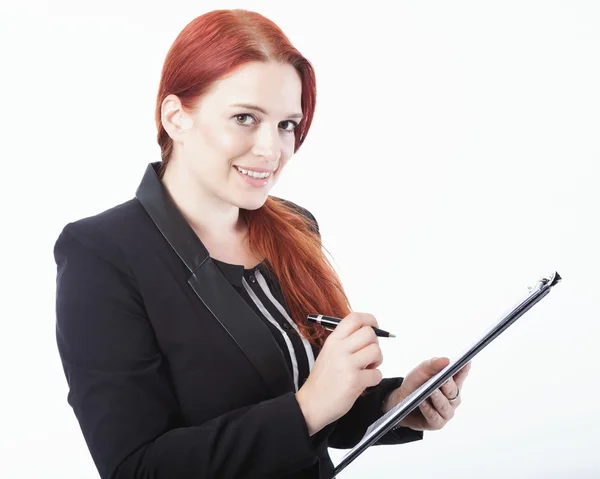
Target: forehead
x,y
273,86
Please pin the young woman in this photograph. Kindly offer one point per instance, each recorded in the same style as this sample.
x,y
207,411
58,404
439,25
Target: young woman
x,y
181,313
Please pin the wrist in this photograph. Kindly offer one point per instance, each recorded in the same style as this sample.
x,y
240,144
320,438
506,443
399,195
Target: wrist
x,y
312,422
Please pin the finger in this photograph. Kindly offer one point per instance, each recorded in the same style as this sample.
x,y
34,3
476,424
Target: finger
x,y
424,371
360,339
347,326
368,355
449,389
367,318
371,378
433,418
442,405
351,323
460,376
376,364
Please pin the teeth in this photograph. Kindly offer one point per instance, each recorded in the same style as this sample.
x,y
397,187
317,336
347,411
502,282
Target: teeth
x,y
253,174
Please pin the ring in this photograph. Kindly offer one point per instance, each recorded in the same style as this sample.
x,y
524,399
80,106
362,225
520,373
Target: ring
x,y
455,397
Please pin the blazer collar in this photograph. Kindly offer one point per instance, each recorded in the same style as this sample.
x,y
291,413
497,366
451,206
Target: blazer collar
x,y
209,283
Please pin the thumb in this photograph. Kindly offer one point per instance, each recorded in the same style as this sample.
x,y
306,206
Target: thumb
x,y
435,365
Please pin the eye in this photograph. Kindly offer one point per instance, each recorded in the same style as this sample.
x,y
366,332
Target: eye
x,y
242,116
294,126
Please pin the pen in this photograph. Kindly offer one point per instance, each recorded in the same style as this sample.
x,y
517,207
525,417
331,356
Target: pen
x,y
329,323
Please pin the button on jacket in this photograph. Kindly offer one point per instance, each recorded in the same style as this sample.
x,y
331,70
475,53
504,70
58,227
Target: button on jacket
x,y
174,368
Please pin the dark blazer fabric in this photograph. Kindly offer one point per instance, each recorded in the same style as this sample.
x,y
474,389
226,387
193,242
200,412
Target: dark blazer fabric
x,y
171,374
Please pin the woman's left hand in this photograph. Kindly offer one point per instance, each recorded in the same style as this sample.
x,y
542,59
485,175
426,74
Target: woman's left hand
x,y
433,413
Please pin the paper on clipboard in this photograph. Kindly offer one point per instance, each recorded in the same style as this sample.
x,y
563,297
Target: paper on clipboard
x,y
405,407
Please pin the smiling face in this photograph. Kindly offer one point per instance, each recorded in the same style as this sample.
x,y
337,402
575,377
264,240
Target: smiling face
x,y
245,121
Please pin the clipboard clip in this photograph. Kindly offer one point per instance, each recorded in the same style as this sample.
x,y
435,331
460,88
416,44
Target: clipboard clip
x,y
547,282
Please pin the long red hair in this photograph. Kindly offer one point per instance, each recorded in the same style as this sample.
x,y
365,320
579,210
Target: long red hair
x,y
209,47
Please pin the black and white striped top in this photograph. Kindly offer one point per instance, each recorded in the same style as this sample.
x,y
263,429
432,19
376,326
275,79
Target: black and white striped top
x,y
261,290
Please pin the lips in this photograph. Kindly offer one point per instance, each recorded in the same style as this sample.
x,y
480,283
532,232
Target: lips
x,y
255,182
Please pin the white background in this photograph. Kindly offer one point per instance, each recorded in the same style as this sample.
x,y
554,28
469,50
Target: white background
x,y
452,162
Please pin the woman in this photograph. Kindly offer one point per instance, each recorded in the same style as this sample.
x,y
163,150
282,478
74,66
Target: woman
x,y
181,314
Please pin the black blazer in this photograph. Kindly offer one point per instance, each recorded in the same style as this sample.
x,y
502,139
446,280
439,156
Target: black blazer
x,y
171,374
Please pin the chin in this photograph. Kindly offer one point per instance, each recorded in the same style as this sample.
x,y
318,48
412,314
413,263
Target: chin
x,y
252,204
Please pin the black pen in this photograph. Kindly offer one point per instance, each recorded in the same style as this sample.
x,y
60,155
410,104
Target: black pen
x,y
329,323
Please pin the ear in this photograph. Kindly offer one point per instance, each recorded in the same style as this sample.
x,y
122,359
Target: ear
x,y
174,118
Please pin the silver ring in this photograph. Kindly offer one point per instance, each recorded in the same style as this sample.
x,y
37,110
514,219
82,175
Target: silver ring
x,y
455,397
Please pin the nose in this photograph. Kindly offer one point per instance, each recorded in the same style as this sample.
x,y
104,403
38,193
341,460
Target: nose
x,y
268,143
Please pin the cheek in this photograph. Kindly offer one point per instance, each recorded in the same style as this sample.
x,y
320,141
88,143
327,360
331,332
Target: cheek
x,y
283,163
286,154
288,148
222,140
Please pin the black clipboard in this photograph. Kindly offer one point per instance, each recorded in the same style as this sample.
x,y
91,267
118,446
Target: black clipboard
x,y
412,401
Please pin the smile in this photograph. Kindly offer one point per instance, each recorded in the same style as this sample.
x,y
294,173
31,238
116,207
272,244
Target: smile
x,y
254,174
254,179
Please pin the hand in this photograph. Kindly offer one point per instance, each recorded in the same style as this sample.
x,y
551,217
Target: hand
x,y
346,365
435,412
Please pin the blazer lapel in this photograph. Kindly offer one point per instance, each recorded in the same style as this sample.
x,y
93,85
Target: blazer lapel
x,y
210,285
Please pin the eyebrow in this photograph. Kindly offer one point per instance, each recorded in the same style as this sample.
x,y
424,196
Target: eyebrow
x,y
257,108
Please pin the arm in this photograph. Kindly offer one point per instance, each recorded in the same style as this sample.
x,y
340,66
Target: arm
x,y
120,393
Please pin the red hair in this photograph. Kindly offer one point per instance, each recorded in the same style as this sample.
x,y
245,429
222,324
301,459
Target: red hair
x,y
208,48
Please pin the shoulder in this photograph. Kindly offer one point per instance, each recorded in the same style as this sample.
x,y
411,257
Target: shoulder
x,y
102,233
301,210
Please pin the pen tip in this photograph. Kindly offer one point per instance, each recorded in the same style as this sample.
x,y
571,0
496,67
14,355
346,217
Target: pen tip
x,y
392,335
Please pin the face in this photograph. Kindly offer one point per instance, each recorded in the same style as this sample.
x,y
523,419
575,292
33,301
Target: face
x,y
237,141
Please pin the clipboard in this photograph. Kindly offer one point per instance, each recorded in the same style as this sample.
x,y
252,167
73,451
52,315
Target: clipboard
x,y
386,422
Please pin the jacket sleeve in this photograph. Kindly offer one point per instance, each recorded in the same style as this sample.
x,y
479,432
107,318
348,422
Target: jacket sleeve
x,y
367,409
120,392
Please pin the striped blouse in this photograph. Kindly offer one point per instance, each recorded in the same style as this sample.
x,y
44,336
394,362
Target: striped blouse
x,y
261,290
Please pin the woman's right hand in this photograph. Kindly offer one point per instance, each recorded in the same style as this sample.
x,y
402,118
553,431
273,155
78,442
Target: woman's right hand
x,y
346,365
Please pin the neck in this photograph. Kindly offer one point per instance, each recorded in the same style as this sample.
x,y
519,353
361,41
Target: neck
x,y
209,216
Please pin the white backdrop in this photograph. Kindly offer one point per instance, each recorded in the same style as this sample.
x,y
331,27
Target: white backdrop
x,y
452,162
